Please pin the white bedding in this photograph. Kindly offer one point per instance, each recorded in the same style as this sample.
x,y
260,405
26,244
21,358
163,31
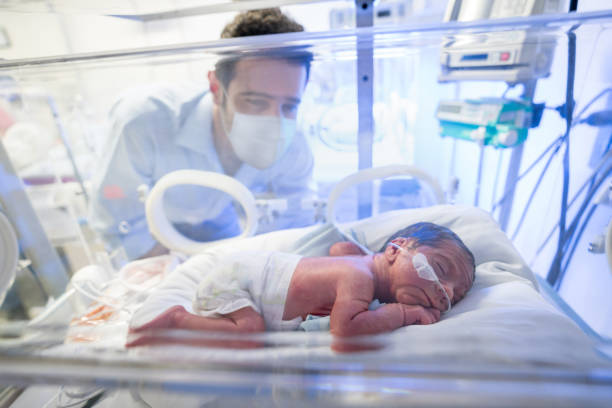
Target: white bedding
x,y
502,319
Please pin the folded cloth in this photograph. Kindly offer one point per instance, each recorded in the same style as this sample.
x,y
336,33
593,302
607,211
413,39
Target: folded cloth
x,y
255,279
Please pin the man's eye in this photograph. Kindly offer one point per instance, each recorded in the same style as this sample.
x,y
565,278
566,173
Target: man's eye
x,y
257,102
292,108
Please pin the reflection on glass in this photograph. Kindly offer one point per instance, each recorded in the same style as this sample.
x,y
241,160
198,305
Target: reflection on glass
x,y
203,214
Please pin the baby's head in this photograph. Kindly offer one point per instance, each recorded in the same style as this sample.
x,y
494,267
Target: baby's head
x,y
451,261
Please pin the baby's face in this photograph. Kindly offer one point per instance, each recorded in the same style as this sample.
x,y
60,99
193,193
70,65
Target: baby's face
x,y
451,265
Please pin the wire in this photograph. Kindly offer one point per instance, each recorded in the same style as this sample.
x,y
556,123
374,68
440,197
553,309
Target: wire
x,y
479,176
587,198
569,106
533,192
581,230
495,183
555,144
553,274
607,149
595,98
575,244
590,180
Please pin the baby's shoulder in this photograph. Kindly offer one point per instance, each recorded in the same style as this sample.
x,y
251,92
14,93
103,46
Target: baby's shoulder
x,y
354,269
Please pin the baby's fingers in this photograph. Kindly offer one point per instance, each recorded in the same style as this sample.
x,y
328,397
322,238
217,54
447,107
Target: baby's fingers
x,y
420,315
166,320
436,312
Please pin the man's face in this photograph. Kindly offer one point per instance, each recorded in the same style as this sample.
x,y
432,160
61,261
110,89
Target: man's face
x,y
451,267
266,87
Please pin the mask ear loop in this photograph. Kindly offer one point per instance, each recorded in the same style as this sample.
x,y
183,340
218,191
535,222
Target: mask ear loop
x,y
425,271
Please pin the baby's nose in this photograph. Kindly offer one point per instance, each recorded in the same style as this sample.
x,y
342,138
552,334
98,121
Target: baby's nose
x,y
442,292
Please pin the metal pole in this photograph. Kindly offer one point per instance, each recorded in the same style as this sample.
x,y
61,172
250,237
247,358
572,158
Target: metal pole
x,y
514,166
479,176
364,13
33,241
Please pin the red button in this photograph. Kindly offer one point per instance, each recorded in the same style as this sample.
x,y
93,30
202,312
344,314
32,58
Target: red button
x,y
504,56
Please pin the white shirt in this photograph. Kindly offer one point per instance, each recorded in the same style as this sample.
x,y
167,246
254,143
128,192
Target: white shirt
x,y
163,129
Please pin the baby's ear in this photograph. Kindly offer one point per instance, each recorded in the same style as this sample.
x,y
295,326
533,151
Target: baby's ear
x,y
390,252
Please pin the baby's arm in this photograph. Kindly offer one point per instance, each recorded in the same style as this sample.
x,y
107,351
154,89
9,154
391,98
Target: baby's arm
x,y
245,320
351,317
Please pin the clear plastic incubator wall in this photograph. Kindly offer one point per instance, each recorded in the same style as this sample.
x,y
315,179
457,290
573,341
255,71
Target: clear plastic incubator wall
x,y
140,151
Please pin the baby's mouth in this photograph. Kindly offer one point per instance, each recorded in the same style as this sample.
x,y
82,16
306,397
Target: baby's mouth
x,y
439,304
429,300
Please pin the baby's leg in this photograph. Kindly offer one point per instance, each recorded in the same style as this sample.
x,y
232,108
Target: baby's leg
x,y
242,320
245,320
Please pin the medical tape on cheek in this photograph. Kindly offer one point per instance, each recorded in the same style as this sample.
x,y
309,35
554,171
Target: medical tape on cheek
x,y
425,271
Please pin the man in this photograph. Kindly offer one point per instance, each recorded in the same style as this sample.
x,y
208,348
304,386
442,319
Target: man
x,y
244,127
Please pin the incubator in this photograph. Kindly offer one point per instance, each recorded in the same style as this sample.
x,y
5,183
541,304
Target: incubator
x,y
114,172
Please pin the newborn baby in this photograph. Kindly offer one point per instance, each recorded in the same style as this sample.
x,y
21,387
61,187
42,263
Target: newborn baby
x,y
417,275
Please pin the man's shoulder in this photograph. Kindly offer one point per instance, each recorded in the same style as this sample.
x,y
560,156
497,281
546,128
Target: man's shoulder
x,y
158,99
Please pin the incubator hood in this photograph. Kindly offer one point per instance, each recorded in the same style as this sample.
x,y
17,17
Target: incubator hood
x,y
96,123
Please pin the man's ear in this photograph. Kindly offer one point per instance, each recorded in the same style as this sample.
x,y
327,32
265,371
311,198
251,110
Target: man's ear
x,y
215,87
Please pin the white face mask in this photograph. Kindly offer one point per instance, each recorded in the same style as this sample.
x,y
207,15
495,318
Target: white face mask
x,y
260,140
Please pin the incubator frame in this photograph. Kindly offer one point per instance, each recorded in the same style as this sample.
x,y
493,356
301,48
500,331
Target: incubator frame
x,y
394,382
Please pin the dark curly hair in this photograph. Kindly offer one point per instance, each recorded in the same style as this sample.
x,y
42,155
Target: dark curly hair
x,y
261,22
430,234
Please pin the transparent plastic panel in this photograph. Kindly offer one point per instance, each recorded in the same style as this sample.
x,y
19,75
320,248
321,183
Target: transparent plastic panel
x,y
157,8
271,125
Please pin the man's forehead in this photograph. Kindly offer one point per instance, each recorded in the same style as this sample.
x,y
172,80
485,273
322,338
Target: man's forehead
x,y
273,76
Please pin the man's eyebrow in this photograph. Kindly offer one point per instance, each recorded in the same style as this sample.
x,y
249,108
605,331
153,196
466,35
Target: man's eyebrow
x,y
268,96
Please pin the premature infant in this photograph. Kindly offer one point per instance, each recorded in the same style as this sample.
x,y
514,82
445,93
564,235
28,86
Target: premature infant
x,y
418,274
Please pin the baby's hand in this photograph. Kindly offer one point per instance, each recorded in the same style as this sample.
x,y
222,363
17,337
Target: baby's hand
x,y
414,314
166,320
